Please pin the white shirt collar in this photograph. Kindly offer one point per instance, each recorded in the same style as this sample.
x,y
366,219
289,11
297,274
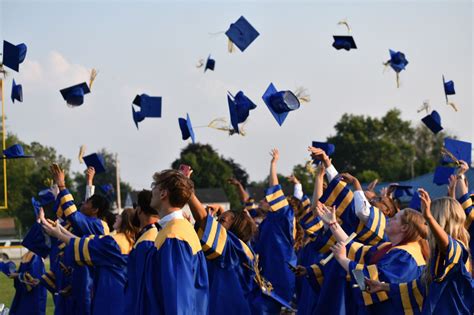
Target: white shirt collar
x,y
172,216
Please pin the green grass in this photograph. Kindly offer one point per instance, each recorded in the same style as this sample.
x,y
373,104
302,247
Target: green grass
x,y
7,291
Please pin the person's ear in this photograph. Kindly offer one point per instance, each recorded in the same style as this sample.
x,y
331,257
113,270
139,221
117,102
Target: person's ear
x,y
404,227
163,194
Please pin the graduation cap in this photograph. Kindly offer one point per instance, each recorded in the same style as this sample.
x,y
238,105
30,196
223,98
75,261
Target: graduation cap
x,y
280,103
74,95
210,64
433,122
461,150
186,128
15,152
344,42
239,109
150,106
107,189
96,161
7,267
449,90
415,202
442,174
329,148
46,196
241,33
402,190
37,241
13,55
397,62
36,206
17,92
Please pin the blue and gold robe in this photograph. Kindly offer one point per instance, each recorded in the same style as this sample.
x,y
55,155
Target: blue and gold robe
x,y
29,299
108,254
135,290
176,272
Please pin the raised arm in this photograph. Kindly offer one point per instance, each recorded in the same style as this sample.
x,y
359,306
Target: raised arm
x,y
441,237
318,186
273,165
198,210
461,186
361,204
244,196
90,188
328,215
320,155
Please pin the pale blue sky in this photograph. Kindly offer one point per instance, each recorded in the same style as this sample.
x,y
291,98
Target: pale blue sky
x,y
152,47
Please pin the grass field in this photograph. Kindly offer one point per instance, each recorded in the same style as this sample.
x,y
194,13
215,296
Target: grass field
x,y
7,291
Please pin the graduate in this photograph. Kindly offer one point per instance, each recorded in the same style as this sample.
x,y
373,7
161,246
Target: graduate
x,y
276,240
403,259
230,260
146,218
446,287
108,254
30,298
176,271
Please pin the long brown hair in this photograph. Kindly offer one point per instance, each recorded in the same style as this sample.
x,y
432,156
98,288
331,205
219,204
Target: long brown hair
x,y
126,226
243,226
417,230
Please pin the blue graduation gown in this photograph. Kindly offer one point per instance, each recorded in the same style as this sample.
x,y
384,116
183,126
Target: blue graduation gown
x,y
176,272
468,207
275,247
401,263
28,299
81,225
135,290
230,267
108,254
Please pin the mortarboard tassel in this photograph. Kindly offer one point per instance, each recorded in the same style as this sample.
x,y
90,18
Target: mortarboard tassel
x,y
230,46
447,153
425,107
398,79
3,71
48,182
263,283
344,22
302,95
200,63
92,77
82,151
310,169
454,106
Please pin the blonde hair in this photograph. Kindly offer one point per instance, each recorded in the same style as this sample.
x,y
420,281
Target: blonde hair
x,y
450,215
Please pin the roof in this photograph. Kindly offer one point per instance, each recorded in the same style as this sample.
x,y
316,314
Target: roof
x,y
207,195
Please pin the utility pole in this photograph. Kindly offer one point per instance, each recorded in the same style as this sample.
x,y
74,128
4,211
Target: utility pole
x,y
117,190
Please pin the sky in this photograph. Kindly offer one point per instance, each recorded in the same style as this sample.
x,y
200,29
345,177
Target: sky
x,y
152,47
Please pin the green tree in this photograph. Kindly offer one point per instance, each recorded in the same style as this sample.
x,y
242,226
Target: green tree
x,y
211,170
388,147
109,177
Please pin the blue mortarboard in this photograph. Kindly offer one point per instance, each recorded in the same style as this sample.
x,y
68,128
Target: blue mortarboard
x,y
46,196
344,42
272,294
17,92
37,241
280,103
74,95
397,60
96,161
415,202
150,106
36,206
448,88
107,189
13,55
433,121
15,152
460,149
239,108
210,64
402,190
329,148
242,33
7,267
442,174
186,128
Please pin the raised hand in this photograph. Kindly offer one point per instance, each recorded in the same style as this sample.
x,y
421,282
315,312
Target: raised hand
x,y
452,186
292,179
58,175
463,167
374,286
90,173
339,250
275,155
348,178
233,181
425,203
300,271
328,215
318,154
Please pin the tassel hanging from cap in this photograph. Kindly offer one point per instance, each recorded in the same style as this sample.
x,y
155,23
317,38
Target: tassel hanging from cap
x,y
453,105
425,107
302,95
92,77
82,151
200,63
398,79
230,46
346,24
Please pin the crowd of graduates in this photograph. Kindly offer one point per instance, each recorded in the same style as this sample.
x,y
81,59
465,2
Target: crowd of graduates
x,y
337,250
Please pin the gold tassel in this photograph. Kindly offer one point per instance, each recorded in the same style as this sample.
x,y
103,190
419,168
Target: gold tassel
x,y
82,151
447,153
200,63
230,46
92,77
398,79
425,107
302,95
263,283
48,182
344,22
3,71
454,106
